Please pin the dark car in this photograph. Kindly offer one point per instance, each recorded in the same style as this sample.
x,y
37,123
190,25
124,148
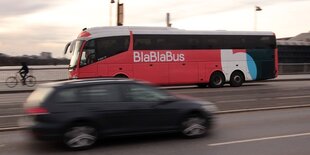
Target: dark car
x,y
78,112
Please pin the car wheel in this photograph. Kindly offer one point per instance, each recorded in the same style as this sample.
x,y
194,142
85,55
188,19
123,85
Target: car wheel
x,y
80,137
194,126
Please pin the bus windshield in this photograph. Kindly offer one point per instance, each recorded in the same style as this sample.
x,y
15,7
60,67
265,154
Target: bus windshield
x,y
76,49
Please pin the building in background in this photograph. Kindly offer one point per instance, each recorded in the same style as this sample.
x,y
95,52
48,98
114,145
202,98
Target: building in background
x,y
45,55
295,49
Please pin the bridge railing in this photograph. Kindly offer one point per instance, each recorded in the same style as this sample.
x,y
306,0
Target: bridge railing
x,y
41,73
294,68
51,73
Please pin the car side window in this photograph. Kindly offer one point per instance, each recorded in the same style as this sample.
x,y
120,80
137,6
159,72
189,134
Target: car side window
x,y
141,93
67,95
100,93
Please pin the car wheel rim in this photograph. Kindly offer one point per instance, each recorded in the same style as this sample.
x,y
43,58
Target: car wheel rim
x,y
194,127
78,137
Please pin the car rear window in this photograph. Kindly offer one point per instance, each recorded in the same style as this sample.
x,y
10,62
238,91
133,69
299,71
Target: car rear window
x,y
38,96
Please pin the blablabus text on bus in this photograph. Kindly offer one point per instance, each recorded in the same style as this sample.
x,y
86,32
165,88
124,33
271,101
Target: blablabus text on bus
x,y
153,56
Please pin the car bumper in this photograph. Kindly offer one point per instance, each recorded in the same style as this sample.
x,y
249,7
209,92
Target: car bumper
x,y
46,132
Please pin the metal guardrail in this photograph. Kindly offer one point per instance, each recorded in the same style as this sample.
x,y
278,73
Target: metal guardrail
x,y
49,73
41,74
52,68
294,68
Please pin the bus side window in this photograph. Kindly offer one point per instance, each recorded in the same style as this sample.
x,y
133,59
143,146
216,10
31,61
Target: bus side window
x,y
142,43
110,46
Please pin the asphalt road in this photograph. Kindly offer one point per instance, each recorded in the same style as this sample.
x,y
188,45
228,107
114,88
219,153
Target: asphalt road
x,y
250,96
253,95
276,132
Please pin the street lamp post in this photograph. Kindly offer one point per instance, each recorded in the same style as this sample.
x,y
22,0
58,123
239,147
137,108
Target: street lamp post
x,y
168,20
120,14
257,8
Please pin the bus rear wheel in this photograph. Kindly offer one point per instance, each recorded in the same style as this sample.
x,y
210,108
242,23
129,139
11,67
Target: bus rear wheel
x,y
236,79
217,80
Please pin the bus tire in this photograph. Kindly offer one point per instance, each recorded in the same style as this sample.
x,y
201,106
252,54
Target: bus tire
x,y
236,79
217,80
121,76
202,85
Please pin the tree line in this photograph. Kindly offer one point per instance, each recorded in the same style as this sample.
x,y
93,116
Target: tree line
x,y
16,61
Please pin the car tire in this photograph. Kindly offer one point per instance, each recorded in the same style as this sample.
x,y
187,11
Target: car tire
x,y
194,126
80,137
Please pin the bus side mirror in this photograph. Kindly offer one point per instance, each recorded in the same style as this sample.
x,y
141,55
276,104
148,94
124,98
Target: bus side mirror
x,y
66,48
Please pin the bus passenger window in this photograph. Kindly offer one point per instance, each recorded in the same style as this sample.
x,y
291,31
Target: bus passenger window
x,y
110,46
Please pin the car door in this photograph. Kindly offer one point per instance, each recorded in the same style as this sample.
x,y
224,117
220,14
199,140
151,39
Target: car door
x,y
104,103
149,109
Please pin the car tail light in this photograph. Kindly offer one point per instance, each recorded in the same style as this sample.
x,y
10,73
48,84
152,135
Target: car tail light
x,y
36,111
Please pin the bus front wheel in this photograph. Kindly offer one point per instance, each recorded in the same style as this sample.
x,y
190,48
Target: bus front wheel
x,y
121,76
217,80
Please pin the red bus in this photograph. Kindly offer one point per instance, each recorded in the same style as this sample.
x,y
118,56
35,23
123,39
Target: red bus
x,y
170,56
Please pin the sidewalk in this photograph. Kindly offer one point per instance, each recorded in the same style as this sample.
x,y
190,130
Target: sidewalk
x,y
17,89
20,88
292,77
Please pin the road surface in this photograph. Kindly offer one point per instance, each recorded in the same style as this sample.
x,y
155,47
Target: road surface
x,y
250,96
276,132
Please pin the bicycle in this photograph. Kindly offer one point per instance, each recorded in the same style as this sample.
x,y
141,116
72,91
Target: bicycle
x,y
12,81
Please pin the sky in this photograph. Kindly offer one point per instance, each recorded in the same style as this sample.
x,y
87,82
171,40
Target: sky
x,y
29,27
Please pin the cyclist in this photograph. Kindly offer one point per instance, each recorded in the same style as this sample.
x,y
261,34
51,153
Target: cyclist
x,y
23,72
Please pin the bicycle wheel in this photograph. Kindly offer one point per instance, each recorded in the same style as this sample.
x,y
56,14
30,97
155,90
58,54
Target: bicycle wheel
x,y
30,81
11,81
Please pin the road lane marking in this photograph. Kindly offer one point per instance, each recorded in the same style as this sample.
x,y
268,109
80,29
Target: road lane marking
x,y
232,101
9,116
259,139
292,97
264,108
264,99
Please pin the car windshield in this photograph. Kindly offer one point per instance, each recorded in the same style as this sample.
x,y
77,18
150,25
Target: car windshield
x,y
38,96
76,49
